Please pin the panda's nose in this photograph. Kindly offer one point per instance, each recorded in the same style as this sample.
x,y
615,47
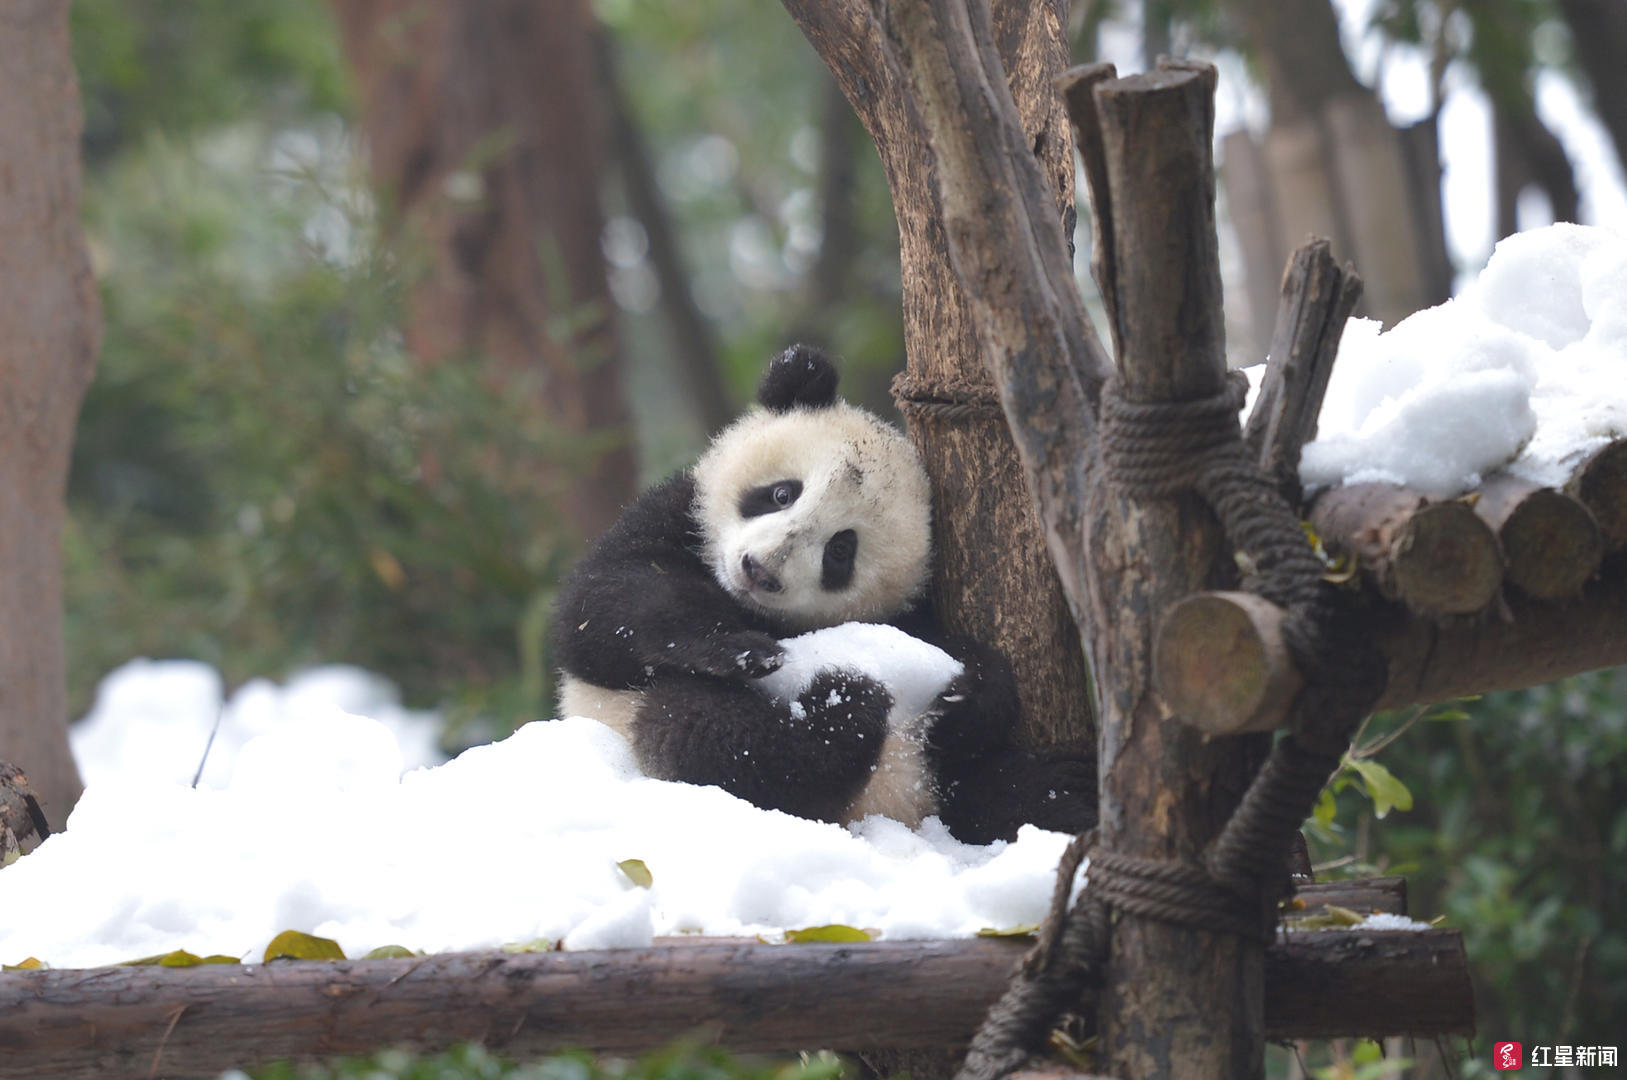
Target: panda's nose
x,y
759,575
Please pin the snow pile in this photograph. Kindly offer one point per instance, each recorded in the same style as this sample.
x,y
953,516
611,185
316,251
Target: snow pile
x,y
1526,368
1381,920
914,672
152,720
313,829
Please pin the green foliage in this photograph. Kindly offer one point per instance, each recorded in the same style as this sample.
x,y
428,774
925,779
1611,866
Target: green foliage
x,y
1519,836
263,477
682,1061
738,156
181,65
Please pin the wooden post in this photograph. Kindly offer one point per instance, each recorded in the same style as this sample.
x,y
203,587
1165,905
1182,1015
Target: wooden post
x,y
1176,1001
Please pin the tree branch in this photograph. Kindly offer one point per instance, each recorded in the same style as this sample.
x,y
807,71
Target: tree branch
x,y
1011,258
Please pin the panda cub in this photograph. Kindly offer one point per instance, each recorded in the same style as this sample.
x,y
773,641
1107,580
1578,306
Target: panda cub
x,y
804,514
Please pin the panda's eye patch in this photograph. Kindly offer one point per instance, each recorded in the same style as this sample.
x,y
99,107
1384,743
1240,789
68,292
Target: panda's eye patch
x,y
757,501
837,570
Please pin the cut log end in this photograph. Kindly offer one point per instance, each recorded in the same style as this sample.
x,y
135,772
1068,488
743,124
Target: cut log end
x,y
1550,540
1601,486
1436,558
1446,561
1220,664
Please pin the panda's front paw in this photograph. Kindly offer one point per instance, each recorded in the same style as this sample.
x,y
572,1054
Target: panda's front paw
x,y
745,654
841,700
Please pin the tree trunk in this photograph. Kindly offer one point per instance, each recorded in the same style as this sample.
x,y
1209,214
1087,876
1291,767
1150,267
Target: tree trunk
x,y
1528,153
486,147
694,342
50,328
1338,168
1599,38
994,581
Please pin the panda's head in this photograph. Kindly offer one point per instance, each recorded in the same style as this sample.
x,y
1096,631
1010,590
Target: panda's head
x,y
813,510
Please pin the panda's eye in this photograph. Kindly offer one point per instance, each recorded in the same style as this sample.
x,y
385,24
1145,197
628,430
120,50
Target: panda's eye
x,y
836,571
769,498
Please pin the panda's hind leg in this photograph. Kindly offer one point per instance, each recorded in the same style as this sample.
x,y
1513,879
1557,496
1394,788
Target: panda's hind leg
x,y
990,797
810,757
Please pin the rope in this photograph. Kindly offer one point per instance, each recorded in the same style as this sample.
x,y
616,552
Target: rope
x,y
1156,450
1056,972
1174,892
954,400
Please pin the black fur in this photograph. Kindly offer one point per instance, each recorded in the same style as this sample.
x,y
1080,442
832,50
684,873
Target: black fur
x,y
643,611
836,567
801,375
711,731
643,605
769,498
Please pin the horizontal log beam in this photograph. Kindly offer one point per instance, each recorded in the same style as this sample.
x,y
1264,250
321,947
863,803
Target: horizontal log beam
x,y
1433,997
178,1022
1228,640
1537,642
1364,895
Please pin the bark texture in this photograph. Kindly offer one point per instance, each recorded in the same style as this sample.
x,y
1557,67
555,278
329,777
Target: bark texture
x,y
1175,1000
486,145
182,1022
994,581
50,328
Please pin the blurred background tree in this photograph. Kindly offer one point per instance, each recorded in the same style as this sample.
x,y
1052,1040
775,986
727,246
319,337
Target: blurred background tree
x,y
334,417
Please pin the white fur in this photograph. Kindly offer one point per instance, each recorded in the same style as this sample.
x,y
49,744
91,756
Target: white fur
x,y
857,472
613,708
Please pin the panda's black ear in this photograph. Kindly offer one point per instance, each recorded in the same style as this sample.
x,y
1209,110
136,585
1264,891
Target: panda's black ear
x,y
801,375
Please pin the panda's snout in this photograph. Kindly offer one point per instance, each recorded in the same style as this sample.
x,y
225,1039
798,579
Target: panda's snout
x,y
759,575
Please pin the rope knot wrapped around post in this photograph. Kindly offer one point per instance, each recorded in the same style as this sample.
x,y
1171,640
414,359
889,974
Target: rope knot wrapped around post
x,y
1159,450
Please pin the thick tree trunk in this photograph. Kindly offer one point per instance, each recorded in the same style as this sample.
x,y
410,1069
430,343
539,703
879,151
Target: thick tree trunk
x,y
486,146
929,995
994,581
1338,169
50,327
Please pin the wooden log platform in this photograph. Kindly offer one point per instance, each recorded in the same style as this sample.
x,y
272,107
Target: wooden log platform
x,y
748,996
1434,557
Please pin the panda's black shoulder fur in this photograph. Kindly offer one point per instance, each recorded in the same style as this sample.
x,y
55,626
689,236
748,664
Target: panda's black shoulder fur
x,y
801,375
642,602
